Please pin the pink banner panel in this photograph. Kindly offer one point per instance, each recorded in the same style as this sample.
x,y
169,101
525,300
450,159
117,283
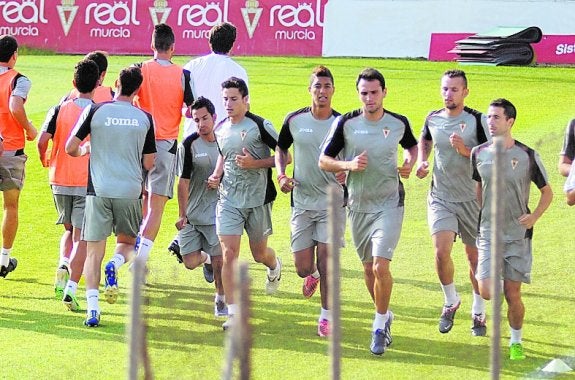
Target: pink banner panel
x,y
266,27
554,49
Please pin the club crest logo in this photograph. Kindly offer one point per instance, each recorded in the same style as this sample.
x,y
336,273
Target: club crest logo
x,y
67,13
251,15
385,132
514,162
243,134
160,12
462,126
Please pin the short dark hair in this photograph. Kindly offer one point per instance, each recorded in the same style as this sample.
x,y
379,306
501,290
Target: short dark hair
x,y
202,102
86,76
234,82
509,109
163,37
321,72
101,59
456,74
370,74
130,80
8,46
222,37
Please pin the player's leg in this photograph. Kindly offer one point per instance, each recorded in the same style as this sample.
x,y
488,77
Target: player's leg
x,y
77,261
303,248
515,316
9,229
230,252
92,273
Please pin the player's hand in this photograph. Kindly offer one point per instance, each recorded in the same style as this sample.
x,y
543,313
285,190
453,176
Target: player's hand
x,y
31,132
456,142
341,177
246,161
422,169
405,169
213,181
527,220
181,222
359,162
286,183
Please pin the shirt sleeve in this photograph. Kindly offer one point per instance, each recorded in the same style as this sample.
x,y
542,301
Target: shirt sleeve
x,y
538,173
150,142
473,161
285,139
22,87
568,149
185,154
269,135
82,127
335,141
49,125
408,140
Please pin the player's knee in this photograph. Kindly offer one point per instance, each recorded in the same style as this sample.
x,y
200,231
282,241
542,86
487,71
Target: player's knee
x,y
381,270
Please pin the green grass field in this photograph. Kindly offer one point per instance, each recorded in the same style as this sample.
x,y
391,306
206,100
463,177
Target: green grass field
x,y
41,340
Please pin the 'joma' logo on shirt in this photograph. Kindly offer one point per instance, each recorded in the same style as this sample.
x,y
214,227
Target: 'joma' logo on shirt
x,y
200,155
360,132
306,130
121,121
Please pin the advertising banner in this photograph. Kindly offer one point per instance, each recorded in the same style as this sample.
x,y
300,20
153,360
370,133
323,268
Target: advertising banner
x,y
270,27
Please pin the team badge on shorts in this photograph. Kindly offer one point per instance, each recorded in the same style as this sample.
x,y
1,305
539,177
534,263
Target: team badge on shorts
x,y
385,132
514,162
462,126
243,134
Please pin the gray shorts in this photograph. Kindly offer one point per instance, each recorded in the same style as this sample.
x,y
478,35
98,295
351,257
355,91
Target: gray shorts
x,y
376,234
195,238
104,215
460,217
309,227
12,170
70,209
257,221
516,263
160,179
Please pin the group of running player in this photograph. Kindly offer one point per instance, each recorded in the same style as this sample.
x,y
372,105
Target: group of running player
x,y
224,165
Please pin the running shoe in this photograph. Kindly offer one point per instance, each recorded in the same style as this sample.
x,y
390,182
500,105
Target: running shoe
x,y
381,338
309,286
209,273
12,264
174,249
478,328
323,328
111,283
71,302
229,322
516,352
62,276
447,315
92,319
272,283
220,309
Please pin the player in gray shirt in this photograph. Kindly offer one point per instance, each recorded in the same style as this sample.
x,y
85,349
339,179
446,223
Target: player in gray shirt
x,y
452,208
246,191
369,139
121,142
198,154
306,129
520,166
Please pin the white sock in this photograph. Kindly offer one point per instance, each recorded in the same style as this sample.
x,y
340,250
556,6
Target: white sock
x,y
145,248
220,298
515,335
232,309
315,274
380,320
118,260
92,299
324,314
451,297
207,258
274,272
478,305
64,261
71,288
5,257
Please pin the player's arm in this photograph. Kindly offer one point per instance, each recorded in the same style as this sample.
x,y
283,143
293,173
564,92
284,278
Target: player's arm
x,y
410,157
282,159
479,193
564,165
570,195
16,105
424,147
528,220
568,149
216,177
46,134
183,192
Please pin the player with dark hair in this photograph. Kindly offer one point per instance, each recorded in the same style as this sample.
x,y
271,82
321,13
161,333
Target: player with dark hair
x,y
164,90
121,143
246,191
368,140
452,207
198,154
102,93
567,154
15,129
68,177
306,129
521,165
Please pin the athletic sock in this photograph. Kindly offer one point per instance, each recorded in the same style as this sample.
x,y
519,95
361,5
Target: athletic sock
x,y
118,260
515,335
324,314
71,288
232,309
380,320
273,273
478,305
5,257
207,257
220,298
315,274
145,248
65,261
92,299
451,297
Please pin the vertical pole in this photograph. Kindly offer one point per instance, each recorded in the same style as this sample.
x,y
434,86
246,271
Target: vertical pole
x,y
335,239
497,207
134,326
